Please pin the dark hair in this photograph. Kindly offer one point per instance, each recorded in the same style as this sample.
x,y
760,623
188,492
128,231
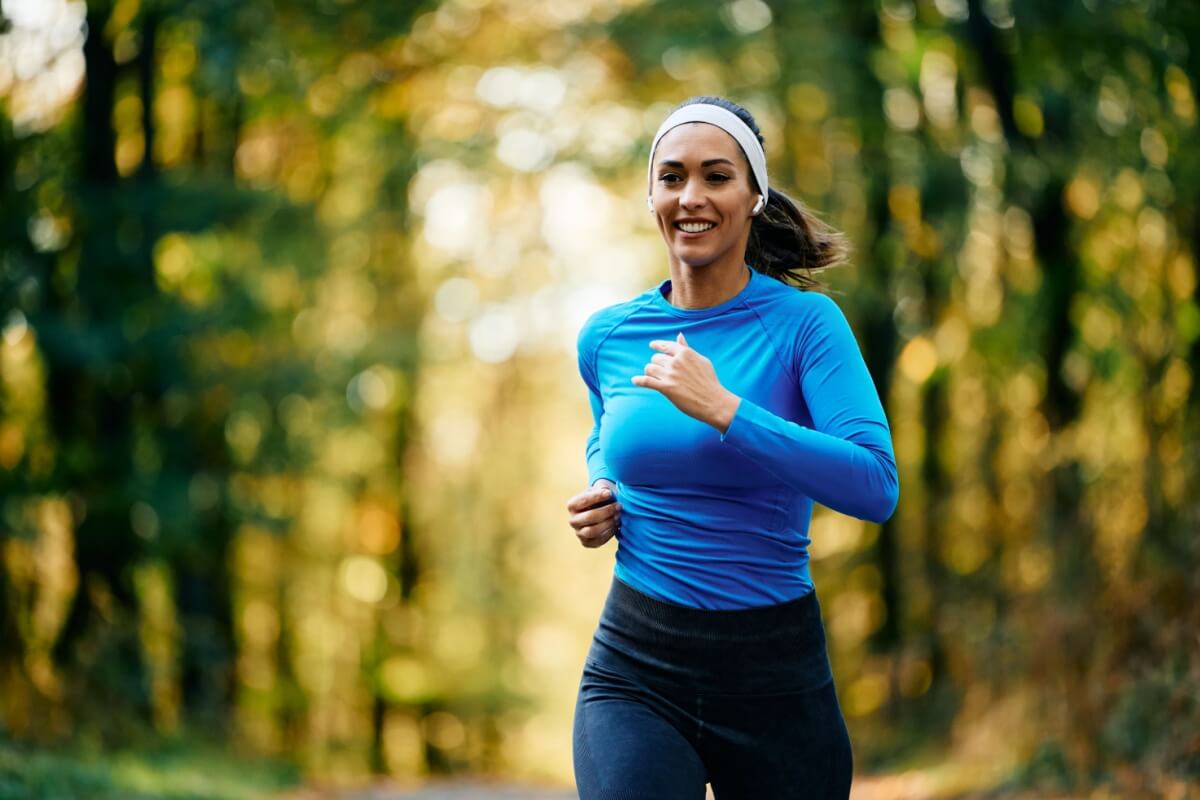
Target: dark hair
x,y
787,240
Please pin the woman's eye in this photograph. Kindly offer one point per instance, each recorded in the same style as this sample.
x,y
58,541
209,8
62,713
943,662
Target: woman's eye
x,y
719,177
669,177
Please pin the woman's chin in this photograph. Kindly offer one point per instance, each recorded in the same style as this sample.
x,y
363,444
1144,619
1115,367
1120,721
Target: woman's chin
x,y
695,258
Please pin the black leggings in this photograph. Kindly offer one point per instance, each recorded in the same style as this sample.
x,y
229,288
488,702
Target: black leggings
x,y
674,697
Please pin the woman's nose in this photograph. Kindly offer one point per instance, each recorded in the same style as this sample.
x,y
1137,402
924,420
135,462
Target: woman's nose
x,y
692,195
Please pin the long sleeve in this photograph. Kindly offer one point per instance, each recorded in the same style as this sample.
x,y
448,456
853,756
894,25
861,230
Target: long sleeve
x,y
845,461
595,457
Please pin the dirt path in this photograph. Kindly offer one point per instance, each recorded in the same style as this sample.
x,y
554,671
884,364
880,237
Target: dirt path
x,y
864,789
456,790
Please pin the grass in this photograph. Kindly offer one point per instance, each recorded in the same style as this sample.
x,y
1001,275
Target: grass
x,y
175,771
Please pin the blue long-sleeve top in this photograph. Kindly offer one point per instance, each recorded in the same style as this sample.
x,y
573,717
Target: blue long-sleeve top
x,y
720,521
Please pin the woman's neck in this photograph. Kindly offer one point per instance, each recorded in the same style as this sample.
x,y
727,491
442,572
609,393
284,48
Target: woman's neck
x,y
707,286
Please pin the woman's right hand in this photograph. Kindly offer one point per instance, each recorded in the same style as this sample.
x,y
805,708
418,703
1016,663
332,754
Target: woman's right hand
x,y
595,513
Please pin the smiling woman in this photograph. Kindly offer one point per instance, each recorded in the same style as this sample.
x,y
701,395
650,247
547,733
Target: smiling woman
x,y
709,662
784,240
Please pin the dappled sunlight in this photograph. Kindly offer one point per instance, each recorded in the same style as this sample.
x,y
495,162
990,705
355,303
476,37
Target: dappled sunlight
x,y
290,408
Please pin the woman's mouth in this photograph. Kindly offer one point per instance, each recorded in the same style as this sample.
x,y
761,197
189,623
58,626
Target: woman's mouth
x,y
694,228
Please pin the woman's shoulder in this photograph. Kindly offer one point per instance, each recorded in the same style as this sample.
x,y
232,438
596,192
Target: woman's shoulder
x,y
800,307
602,321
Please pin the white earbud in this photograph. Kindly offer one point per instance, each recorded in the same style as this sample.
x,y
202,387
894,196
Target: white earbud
x,y
758,206
650,203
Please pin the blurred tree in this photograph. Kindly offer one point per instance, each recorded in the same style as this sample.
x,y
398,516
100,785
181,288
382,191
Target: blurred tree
x,y
288,294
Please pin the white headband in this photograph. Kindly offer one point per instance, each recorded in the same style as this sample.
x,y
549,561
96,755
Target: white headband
x,y
727,121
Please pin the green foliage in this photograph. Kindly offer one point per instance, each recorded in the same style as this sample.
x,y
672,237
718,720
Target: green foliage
x,y
177,771
258,471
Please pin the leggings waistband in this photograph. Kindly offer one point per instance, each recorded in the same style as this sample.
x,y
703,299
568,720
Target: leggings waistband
x,y
779,647
660,617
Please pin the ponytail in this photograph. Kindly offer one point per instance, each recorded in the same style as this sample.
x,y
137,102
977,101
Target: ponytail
x,y
789,242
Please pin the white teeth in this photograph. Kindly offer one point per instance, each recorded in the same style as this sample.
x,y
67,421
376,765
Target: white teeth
x,y
695,227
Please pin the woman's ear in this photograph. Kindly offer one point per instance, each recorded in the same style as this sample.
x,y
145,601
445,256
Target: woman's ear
x,y
758,206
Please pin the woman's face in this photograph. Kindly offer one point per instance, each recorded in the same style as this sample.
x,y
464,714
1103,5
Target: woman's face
x,y
702,192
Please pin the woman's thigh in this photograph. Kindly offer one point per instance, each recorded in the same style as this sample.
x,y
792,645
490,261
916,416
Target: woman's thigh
x,y
777,747
628,744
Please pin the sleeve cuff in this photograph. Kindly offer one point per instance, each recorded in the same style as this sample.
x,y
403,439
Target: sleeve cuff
x,y
747,413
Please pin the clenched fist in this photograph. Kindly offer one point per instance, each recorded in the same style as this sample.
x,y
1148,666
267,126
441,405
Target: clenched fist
x,y
595,513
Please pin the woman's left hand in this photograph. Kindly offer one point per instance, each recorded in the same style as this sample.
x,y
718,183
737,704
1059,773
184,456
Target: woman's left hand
x,y
688,380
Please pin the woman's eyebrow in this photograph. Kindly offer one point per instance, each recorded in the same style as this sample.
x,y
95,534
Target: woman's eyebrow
x,y
708,163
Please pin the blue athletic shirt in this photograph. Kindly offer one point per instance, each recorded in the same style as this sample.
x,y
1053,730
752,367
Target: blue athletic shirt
x,y
721,521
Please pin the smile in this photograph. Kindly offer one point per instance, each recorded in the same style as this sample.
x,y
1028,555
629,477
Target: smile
x,y
695,227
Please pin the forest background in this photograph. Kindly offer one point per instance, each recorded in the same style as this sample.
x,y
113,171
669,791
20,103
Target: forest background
x,y
289,408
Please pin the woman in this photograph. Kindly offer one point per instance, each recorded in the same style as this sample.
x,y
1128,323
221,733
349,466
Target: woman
x,y
709,661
